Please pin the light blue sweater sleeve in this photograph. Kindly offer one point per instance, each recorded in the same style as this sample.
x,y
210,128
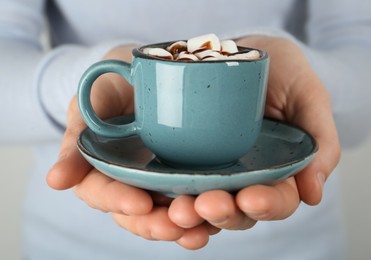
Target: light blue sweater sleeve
x,y
20,52
339,49
37,83
337,44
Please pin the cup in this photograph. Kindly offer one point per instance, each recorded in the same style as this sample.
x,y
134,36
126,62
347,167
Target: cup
x,y
194,115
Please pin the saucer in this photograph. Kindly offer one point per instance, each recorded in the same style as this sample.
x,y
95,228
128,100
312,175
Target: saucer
x,y
281,151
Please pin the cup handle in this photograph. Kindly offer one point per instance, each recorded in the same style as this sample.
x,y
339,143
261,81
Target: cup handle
x,y
96,124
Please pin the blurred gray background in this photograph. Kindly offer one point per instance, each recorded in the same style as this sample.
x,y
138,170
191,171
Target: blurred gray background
x,y
356,178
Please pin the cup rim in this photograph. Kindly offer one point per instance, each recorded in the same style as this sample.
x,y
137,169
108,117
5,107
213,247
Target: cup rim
x,y
138,52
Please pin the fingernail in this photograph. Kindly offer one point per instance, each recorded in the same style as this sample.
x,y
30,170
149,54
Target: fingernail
x,y
259,215
220,221
321,179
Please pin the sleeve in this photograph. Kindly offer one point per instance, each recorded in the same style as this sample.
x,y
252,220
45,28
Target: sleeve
x,y
20,52
338,46
37,83
339,49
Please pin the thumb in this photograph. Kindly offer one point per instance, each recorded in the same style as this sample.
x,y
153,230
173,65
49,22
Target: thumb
x,y
71,167
313,113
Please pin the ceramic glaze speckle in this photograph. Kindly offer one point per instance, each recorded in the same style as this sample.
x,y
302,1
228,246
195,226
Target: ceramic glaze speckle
x,y
190,114
280,152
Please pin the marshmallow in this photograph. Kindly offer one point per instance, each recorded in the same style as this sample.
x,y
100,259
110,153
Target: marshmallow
x,y
146,50
184,56
203,48
251,55
177,47
207,53
228,46
160,53
207,41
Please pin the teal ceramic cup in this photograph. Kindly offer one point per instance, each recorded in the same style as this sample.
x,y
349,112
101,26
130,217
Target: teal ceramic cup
x,y
189,114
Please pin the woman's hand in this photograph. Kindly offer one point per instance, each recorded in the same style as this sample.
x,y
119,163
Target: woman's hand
x,y
133,209
295,94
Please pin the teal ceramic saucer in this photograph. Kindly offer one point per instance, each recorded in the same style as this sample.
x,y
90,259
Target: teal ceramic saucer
x,y
280,152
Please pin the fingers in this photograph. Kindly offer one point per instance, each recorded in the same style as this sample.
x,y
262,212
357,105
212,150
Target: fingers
x,y
202,216
314,114
153,226
96,189
182,212
68,171
220,210
224,211
196,230
269,202
158,226
71,167
194,238
311,180
111,96
301,99
103,193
